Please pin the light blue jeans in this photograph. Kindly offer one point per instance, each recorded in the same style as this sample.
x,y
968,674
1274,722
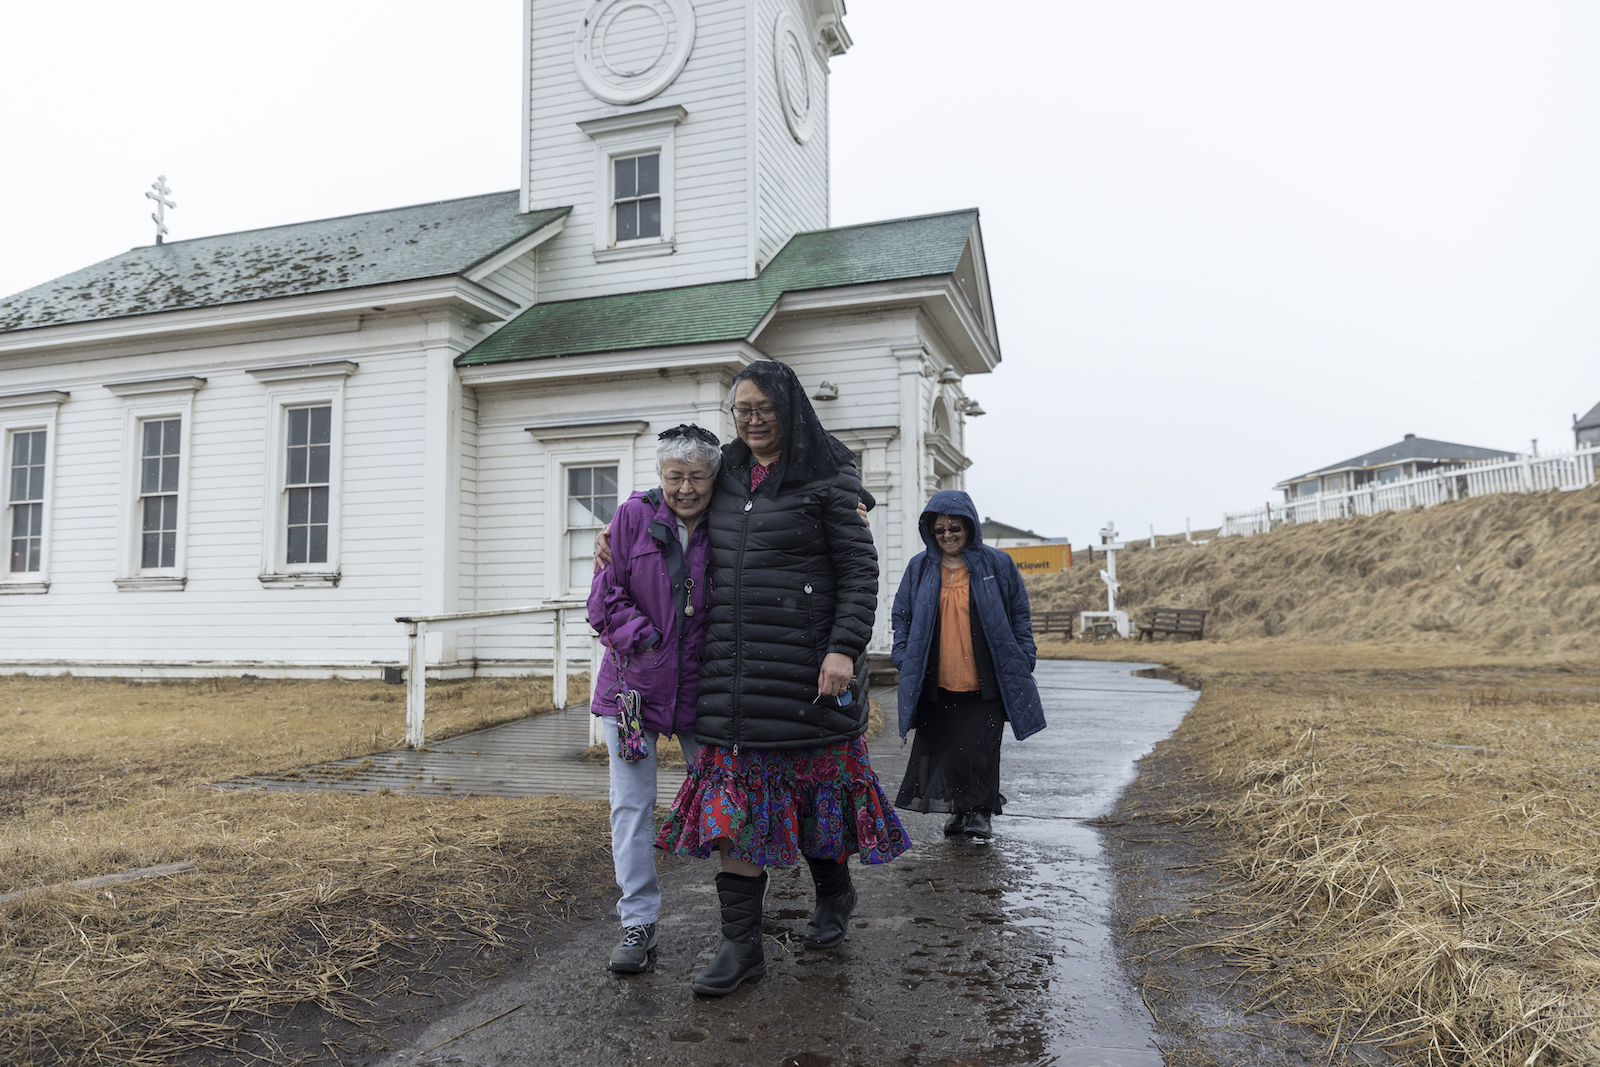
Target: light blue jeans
x,y
633,827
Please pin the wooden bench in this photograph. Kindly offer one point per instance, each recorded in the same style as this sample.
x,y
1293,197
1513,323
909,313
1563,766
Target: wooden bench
x,y
1053,622
1190,621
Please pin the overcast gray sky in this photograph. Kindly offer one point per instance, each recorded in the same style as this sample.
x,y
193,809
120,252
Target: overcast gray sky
x,y
1229,242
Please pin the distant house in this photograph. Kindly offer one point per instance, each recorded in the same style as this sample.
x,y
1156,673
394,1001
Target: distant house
x,y
1001,535
1405,459
1586,431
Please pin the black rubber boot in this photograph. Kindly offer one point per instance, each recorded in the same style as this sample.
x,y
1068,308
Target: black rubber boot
x,y
955,824
836,902
740,955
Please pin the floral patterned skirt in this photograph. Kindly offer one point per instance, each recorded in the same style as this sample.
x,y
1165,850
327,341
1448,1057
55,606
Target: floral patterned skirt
x,y
775,805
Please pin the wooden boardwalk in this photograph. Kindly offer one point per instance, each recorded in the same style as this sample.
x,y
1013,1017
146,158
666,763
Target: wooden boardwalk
x,y
527,758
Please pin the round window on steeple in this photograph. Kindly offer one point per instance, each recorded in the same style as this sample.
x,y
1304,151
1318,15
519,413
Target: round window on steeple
x,y
629,50
795,72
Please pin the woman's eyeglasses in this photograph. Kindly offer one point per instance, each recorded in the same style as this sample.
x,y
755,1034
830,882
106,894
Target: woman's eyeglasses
x,y
699,480
764,413
948,531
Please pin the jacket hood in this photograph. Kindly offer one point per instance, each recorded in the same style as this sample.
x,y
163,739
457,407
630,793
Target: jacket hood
x,y
949,502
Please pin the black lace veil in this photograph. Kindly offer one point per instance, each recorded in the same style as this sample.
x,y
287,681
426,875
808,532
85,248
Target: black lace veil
x,y
809,451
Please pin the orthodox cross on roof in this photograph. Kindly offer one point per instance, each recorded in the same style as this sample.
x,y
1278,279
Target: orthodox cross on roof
x,y
159,215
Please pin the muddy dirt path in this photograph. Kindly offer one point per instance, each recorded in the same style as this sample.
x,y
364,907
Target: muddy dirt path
x,y
960,952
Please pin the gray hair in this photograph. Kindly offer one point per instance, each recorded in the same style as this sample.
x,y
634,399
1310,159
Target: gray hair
x,y
690,450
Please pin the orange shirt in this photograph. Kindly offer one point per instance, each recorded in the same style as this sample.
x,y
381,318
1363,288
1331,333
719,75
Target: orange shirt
x,y
958,667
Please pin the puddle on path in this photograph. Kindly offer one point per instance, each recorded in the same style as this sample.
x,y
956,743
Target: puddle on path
x,y
1048,863
982,954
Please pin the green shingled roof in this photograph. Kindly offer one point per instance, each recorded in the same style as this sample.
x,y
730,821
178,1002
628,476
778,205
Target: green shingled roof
x,y
926,246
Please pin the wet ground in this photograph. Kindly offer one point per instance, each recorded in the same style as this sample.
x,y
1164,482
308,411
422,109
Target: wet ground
x,y
960,953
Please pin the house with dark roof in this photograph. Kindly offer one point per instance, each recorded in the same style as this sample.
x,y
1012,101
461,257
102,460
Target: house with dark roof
x,y
251,452
1406,458
1003,535
1586,431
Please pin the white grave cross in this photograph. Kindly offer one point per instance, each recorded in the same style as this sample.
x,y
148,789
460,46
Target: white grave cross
x,y
159,215
1111,546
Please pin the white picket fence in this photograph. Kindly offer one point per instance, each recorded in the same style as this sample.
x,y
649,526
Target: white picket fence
x,y
1520,474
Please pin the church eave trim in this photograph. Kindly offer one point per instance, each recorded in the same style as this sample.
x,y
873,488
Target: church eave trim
x,y
516,249
729,354
452,291
940,297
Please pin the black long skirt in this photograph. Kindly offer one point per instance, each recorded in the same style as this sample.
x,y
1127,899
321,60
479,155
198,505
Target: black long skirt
x,y
955,759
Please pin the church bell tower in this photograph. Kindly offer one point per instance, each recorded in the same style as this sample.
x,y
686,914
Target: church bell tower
x,y
689,137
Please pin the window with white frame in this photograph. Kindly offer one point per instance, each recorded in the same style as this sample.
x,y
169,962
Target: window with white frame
x,y
305,403
307,483
636,197
28,439
634,182
161,445
156,463
26,500
591,501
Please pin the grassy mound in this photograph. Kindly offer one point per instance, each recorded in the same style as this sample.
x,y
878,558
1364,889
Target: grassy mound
x,y
1501,572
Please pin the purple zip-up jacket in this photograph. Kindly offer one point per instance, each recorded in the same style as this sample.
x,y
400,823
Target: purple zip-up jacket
x,y
638,602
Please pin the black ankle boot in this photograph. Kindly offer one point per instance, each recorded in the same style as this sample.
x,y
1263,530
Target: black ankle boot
x,y
740,955
836,902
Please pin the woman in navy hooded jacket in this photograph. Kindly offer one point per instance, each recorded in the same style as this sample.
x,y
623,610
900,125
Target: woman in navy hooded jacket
x,y
963,643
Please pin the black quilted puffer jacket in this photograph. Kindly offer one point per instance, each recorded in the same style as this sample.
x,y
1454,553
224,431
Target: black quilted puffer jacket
x,y
794,576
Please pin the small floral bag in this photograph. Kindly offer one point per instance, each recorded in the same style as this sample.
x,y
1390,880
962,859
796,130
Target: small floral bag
x,y
631,744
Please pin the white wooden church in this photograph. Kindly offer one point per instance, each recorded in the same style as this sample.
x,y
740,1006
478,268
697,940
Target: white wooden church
x,y
250,453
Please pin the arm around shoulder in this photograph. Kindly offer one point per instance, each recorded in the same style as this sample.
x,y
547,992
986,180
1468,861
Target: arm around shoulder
x,y
613,608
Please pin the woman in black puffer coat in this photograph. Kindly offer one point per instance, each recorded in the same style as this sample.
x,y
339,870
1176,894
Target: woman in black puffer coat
x,y
783,771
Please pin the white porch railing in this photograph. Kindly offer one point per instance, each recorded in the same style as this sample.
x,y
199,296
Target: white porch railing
x,y
1520,474
418,626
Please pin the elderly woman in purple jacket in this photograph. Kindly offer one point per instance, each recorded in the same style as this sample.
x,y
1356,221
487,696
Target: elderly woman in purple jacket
x,y
649,603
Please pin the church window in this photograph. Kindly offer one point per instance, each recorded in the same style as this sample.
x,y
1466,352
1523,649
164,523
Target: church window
x,y
155,501
158,492
307,483
591,501
304,461
633,183
27,500
636,195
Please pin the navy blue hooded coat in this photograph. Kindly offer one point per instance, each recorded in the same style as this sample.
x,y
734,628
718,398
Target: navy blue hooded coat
x,y
1002,603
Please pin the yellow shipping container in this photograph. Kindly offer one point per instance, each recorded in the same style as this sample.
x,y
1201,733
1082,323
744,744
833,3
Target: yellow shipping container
x,y
1040,559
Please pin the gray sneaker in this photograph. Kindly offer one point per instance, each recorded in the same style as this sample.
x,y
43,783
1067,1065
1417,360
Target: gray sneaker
x,y
632,954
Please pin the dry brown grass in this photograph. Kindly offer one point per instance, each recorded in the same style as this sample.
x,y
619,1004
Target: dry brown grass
x,y
1404,842
299,898
1390,775
79,740
1509,572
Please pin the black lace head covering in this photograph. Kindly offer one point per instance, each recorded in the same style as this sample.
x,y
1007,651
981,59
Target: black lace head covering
x,y
809,451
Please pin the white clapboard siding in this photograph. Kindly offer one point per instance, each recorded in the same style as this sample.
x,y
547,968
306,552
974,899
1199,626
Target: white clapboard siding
x,y
518,280
467,530
224,615
791,178
711,151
